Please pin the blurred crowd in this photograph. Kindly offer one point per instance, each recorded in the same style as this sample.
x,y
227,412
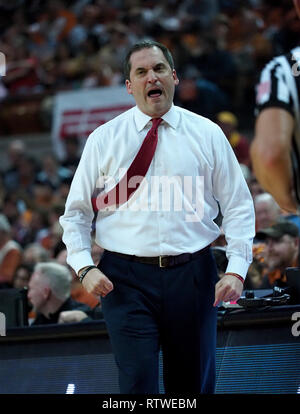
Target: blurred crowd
x,y
219,47
32,198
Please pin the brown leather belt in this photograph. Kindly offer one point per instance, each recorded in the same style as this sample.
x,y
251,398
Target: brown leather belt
x,y
163,261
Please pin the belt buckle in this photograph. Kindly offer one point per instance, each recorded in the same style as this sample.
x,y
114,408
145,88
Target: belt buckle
x,y
161,261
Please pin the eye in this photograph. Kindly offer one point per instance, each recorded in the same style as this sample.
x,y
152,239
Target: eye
x,y
160,68
140,72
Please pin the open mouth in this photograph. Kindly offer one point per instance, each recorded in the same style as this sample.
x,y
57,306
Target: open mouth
x,y
154,93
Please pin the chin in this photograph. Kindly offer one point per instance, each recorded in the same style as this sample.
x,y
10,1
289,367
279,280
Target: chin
x,y
159,111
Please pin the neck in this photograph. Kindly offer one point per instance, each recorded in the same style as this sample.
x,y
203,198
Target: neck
x,y
51,306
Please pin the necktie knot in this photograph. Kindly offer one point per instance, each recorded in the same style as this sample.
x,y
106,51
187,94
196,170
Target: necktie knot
x,y
155,122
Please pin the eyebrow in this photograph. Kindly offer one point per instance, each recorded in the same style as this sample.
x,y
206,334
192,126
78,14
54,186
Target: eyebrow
x,y
157,66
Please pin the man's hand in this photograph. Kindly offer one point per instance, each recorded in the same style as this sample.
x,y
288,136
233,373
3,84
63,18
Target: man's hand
x,y
229,288
97,283
71,316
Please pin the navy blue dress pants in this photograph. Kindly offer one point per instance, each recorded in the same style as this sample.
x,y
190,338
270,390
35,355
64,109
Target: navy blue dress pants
x,y
171,309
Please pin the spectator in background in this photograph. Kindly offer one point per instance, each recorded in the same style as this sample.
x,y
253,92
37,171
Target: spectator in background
x,y
267,211
72,153
35,227
52,173
287,35
52,238
10,254
114,52
26,177
16,151
22,276
22,74
56,22
55,212
34,253
87,24
281,251
220,31
205,11
199,95
249,48
62,191
254,187
239,143
11,209
78,292
43,196
49,293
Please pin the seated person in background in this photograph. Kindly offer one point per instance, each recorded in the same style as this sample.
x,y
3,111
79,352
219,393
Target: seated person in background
x,y
228,123
267,211
10,254
22,276
78,292
281,251
72,151
35,253
49,293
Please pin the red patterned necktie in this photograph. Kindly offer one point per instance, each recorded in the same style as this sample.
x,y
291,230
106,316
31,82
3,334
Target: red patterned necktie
x,y
138,168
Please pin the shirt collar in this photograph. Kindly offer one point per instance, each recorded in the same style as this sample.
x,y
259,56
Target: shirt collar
x,y
171,118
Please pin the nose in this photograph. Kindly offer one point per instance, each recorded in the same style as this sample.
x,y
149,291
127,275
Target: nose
x,y
152,77
270,246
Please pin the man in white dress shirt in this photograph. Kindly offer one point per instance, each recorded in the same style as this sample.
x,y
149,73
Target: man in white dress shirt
x,y
150,301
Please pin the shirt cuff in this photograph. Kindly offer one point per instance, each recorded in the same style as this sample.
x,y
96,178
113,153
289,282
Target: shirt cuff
x,y
81,259
238,265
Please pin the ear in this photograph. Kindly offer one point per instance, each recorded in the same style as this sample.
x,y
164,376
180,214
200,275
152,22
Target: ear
x,y
128,86
47,292
176,80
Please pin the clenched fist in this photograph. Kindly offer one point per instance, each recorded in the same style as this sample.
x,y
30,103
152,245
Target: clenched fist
x,y
97,283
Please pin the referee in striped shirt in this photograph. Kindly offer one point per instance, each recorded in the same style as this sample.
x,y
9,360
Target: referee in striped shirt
x,y
275,150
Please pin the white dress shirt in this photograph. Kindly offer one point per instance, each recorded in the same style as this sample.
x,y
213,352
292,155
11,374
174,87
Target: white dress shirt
x,y
173,211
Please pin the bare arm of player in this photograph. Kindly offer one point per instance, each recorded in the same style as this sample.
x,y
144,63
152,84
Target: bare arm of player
x,y
270,155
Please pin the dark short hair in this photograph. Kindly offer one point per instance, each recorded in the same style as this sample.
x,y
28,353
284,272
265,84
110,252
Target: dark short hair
x,y
146,44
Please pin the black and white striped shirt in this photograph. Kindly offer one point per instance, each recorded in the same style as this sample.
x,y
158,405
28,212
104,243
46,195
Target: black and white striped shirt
x,y
279,86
